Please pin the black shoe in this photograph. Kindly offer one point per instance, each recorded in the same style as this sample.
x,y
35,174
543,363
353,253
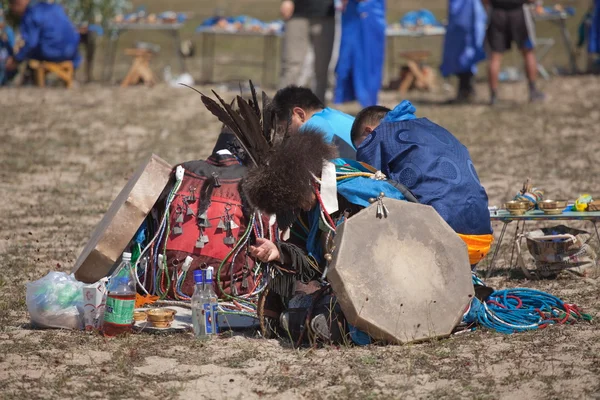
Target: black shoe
x,y
535,96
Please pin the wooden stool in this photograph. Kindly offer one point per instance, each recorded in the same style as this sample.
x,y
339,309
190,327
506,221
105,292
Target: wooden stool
x,y
415,74
63,70
140,68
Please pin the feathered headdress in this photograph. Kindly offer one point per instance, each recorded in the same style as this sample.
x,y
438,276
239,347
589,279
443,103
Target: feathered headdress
x,y
281,181
251,126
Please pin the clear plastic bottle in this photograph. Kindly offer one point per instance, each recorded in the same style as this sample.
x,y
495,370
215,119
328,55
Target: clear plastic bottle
x,y
120,301
198,300
211,304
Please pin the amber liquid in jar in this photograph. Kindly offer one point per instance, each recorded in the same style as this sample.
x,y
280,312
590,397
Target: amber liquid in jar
x,y
114,329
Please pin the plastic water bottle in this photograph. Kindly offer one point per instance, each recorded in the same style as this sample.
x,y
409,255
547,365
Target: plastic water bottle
x,y
198,300
120,302
211,304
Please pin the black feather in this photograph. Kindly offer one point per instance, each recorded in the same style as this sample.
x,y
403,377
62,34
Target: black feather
x,y
226,115
219,112
256,139
243,133
267,119
255,101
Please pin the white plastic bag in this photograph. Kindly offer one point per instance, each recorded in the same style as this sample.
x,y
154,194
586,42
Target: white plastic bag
x,y
55,301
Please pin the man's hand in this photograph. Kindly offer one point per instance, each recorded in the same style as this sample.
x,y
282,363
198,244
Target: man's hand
x,y
265,250
11,64
287,9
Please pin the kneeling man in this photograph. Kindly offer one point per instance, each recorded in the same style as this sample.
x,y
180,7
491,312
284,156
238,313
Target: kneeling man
x,y
434,165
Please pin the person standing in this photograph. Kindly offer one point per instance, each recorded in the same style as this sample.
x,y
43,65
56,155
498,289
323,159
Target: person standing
x,y
308,22
594,38
511,22
463,44
362,52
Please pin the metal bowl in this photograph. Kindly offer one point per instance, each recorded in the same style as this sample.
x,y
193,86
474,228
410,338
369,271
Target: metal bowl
x,y
552,207
140,316
161,317
517,207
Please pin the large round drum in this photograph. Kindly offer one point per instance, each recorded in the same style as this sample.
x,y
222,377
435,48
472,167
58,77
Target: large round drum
x,y
403,278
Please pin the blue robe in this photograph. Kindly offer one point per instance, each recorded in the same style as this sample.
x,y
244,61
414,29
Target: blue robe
x,y
362,51
7,42
465,35
434,165
594,38
48,34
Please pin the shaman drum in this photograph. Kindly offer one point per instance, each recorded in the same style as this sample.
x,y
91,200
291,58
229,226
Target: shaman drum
x,y
403,278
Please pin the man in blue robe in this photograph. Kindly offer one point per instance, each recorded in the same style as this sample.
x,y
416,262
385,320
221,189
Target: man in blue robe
x,y
7,43
594,38
47,32
432,163
463,44
362,51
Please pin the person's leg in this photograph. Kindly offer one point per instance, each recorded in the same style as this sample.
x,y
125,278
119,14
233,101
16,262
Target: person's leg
x,y
522,34
493,75
322,36
295,46
531,71
465,86
498,39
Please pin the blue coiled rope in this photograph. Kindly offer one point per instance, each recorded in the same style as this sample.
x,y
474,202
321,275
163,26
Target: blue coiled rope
x,y
517,310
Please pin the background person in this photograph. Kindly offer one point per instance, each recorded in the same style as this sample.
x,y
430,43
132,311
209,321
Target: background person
x,y
463,44
308,22
7,43
509,23
594,38
47,33
362,52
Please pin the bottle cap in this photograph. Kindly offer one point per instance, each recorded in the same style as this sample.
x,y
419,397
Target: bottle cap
x,y
126,256
198,276
209,274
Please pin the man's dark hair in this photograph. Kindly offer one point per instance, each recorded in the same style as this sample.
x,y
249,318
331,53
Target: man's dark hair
x,y
294,96
367,116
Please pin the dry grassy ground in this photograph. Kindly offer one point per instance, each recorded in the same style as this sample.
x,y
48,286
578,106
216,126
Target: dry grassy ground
x,y
65,155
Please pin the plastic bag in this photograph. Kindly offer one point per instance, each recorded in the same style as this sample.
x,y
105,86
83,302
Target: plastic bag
x,y
55,301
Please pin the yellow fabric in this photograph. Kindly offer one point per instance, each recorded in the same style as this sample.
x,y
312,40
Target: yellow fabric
x,y
478,245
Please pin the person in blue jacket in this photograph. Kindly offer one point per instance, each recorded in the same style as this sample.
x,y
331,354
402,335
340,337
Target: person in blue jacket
x,y
463,44
362,51
47,33
297,108
7,43
594,38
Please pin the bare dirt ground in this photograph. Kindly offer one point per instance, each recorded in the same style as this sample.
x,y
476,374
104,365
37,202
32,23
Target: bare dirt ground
x,y
65,155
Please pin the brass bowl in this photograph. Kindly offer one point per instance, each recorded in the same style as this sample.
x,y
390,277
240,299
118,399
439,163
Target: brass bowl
x,y
517,207
140,316
552,207
161,317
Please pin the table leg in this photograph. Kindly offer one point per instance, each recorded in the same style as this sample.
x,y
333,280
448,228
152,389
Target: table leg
x,y
177,43
491,266
114,41
512,250
107,53
568,45
208,56
391,55
266,69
